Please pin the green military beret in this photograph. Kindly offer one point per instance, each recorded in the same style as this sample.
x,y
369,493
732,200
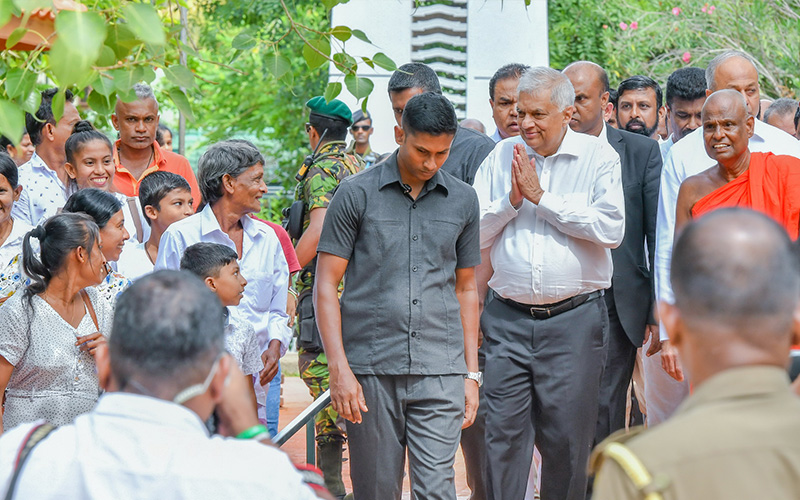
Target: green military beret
x,y
335,109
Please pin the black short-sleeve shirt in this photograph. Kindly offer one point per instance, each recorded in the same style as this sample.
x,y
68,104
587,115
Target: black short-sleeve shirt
x,y
400,314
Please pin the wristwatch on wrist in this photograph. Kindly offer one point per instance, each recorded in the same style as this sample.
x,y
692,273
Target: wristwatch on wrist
x,y
476,376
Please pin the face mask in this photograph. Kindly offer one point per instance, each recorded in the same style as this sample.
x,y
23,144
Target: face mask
x,y
197,389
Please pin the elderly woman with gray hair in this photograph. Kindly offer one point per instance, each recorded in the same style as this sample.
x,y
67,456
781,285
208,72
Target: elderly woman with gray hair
x,y
230,175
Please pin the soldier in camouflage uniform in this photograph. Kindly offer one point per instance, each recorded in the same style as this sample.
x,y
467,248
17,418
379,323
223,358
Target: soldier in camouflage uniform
x,y
361,130
319,177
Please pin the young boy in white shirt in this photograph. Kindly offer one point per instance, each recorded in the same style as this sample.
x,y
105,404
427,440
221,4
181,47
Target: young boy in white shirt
x,y
218,267
165,198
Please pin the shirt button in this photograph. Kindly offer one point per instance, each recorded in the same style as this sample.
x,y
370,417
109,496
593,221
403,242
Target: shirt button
x,y
414,205
414,268
414,237
413,334
415,302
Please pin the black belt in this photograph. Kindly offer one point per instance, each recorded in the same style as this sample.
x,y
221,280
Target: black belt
x,y
550,310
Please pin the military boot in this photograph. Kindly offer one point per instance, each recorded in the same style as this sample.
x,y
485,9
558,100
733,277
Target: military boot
x,y
329,460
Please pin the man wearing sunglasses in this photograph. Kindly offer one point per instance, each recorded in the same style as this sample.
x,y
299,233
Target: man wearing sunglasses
x,y
361,130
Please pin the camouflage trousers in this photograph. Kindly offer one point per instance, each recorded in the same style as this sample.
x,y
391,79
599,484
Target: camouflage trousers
x,y
329,426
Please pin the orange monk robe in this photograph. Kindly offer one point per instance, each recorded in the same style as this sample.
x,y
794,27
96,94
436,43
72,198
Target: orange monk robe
x,y
771,185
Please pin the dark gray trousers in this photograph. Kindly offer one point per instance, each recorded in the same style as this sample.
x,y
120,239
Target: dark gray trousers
x,y
617,373
420,413
541,383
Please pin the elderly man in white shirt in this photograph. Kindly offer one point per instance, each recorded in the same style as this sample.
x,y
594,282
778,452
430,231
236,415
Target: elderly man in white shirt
x,y
43,178
665,387
165,371
551,220
230,176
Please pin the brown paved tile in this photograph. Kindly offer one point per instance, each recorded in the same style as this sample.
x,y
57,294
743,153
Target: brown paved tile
x,y
296,398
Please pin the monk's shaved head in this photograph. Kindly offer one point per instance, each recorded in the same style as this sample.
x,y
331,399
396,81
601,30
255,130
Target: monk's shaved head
x,y
730,100
727,128
735,275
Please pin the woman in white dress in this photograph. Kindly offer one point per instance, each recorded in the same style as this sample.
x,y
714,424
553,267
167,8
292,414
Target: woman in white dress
x,y
11,231
50,332
106,210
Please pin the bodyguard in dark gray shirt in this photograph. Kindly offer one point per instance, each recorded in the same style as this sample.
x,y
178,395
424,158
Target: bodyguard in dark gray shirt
x,y
404,235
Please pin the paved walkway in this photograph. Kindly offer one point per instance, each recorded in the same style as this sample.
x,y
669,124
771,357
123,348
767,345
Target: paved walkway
x,y
296,398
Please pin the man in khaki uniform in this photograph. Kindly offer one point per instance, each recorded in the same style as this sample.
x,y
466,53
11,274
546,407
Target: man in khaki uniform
x,y
736,285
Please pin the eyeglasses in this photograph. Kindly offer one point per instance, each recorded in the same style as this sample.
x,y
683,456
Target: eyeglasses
x,y
363,128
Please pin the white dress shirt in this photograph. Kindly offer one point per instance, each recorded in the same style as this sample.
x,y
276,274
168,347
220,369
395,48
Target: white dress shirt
x,y
665,146
136,447
134,262
562,247
496,136
43,193
263,265
13,244
686,158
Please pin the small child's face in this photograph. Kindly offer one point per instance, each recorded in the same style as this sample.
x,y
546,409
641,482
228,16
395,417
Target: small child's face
x,y
177,205
229,284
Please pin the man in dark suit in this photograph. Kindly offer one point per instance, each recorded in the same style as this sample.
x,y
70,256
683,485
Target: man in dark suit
x,y
630,299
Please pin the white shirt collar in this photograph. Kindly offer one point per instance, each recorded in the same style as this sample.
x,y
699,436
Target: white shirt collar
x,y
209,223
148,409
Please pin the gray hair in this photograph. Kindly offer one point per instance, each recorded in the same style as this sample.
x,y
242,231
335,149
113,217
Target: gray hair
x,y
715,63
232,158
144,91
169,327
539,79
784,106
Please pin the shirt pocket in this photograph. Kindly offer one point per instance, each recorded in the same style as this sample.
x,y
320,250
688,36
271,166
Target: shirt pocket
x,y
441,237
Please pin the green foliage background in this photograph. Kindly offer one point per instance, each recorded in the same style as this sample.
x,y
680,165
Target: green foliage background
x,y
656,39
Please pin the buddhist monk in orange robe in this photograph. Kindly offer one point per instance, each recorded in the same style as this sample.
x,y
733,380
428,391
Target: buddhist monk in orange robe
x,y
764,182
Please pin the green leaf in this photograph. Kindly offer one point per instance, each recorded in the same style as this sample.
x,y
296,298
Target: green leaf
x,y
384,61
178,97
15,37
332,90
104,105
145,23
329,4
58,104
103,85
107,56
343,33
72,57
7,9
235,56
123,80
180,76
148,74
188,49
12,121
19,82
243,41
346,62
32,102
277,65
121,40
313,58
127,96
368,62
364,105
359,87
361,36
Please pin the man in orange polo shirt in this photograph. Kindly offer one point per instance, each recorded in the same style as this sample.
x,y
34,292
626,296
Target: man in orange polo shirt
x,y
137,153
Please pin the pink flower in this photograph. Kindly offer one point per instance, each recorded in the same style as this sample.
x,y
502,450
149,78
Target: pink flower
x,y
605,26
704,9
635,25
711,9
686,57
623,26
676,11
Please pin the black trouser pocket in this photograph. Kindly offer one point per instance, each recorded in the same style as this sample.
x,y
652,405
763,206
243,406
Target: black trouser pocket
x,y
308,338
